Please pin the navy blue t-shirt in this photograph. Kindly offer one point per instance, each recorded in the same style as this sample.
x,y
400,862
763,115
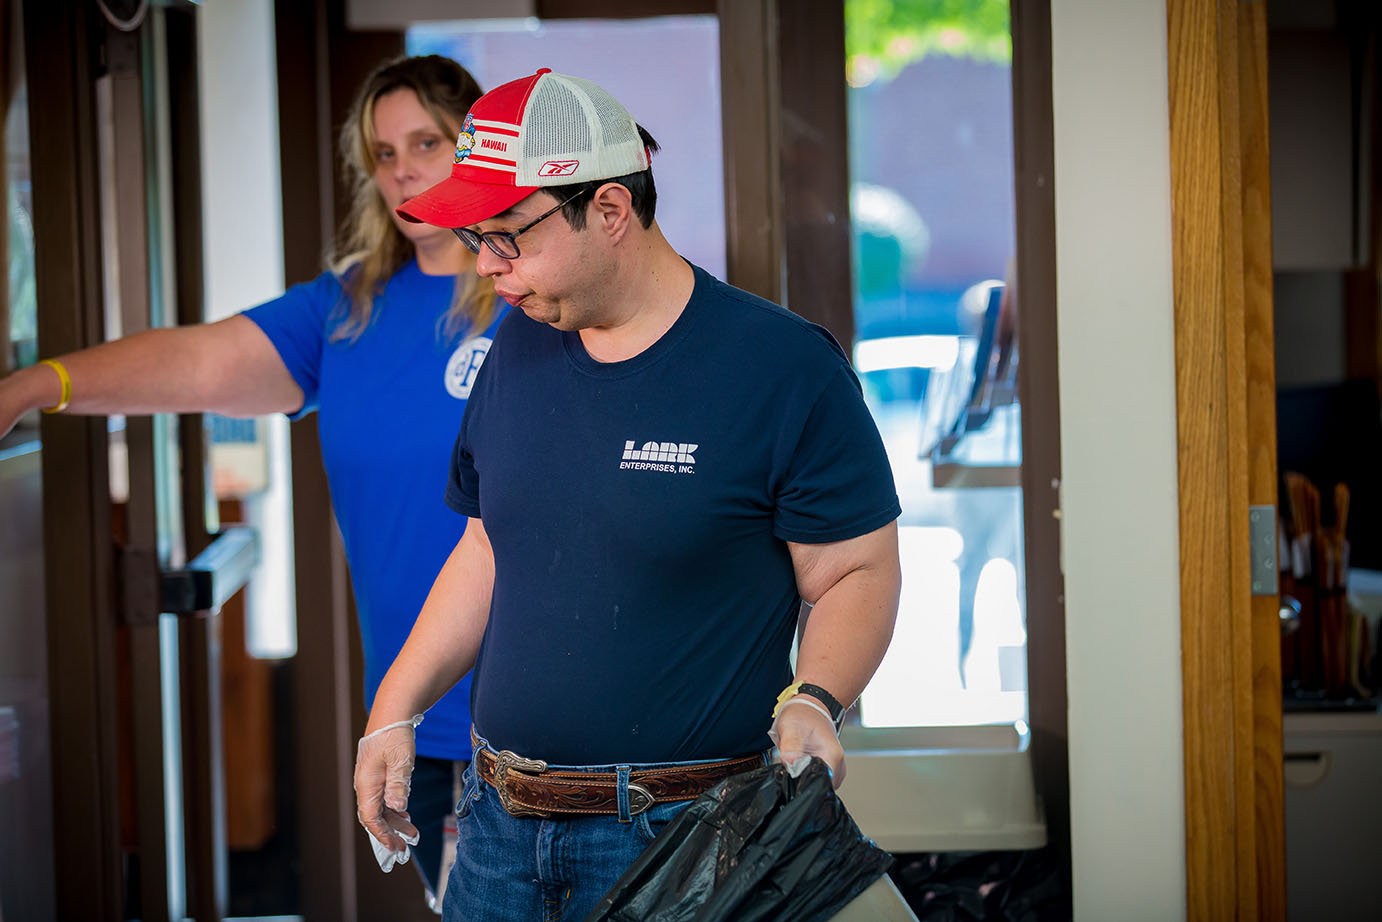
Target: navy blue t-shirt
x,y
644,598
388,404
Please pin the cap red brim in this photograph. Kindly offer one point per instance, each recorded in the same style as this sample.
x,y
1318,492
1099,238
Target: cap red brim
x,y
457,202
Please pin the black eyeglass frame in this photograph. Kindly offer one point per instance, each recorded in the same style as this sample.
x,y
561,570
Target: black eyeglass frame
x,y
473,239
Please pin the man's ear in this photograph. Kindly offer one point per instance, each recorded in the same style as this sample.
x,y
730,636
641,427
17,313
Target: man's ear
x,y
613,210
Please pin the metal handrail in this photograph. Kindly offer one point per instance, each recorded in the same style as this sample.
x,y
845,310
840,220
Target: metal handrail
x,y
214,575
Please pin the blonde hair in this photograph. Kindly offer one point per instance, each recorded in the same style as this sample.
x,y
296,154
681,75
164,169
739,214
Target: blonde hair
x,y
370,247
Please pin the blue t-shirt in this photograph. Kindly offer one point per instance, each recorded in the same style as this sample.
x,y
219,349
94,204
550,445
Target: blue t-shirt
x,y
388,405
644,597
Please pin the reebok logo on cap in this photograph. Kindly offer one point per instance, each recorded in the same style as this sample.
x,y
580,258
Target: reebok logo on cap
x,y
558,168
544,130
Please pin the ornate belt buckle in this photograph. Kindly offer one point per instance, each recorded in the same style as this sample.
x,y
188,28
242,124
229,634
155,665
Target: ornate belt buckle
x,y
640,799
510,760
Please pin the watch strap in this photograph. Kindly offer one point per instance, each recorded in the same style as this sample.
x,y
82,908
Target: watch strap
x,y
832,704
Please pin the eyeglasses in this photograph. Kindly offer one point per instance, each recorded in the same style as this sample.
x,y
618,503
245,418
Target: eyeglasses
x,y
502,243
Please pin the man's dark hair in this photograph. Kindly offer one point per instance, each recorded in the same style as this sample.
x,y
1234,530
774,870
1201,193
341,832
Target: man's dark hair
x,y
640,186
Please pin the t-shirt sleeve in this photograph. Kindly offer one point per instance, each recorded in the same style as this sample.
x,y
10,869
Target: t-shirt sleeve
x,y
463,483
463,480
296,324
837,483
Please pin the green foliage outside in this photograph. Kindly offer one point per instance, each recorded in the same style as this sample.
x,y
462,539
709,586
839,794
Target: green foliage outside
x,y
884,36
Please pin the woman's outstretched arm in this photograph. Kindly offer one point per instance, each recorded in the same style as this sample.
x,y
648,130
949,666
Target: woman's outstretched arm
x,y
228,367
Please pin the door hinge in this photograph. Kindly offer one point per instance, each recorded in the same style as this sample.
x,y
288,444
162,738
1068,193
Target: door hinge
x,y
1262,541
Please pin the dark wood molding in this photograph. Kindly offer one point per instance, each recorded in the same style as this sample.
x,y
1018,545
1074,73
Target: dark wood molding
x,y
814,167
786,173
755,258
1039,391
319,675
320,67
61,43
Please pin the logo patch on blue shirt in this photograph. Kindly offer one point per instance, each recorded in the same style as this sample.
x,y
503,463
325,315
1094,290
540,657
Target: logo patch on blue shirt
x,y
464,365
668,457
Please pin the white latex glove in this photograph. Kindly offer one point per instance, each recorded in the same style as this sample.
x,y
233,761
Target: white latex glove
x,y
803,728
383,779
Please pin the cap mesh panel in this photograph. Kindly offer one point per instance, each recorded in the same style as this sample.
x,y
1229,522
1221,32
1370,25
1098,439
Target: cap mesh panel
x,y
615,123
556,125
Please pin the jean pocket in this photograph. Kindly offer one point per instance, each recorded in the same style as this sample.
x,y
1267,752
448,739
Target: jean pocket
x,y
656,818
470,790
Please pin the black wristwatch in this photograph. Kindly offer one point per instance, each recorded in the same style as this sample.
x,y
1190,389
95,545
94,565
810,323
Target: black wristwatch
x,y
832,704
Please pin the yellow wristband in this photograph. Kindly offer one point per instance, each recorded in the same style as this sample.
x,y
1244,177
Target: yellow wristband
x,y
787,693
66,385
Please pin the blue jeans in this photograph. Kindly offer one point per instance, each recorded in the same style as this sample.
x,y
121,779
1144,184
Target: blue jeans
x,y
431,796
530,869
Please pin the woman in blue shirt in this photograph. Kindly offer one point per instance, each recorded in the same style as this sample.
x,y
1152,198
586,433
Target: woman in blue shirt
x,y
384,346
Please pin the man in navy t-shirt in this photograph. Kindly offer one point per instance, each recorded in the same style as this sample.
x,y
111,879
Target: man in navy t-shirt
x,y
658,469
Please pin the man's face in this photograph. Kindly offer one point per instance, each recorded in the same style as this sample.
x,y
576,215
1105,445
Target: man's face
x,y
556,278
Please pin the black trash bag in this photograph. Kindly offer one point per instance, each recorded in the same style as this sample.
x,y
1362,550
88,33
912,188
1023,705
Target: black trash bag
x,y
1007,886
760,845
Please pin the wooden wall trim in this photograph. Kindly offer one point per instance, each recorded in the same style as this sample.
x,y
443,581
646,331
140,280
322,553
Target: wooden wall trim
x,y
1237,555
1225,405
1269,833
1207,496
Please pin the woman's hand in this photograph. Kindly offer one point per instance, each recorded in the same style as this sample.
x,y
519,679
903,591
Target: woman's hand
x,y
25,390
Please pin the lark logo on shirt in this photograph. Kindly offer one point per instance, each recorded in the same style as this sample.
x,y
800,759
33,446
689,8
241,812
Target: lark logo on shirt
x,y
667,457
464,365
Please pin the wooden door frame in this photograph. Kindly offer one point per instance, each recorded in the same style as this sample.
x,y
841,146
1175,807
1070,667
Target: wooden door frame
x,y
1225,398
1039,389
60,52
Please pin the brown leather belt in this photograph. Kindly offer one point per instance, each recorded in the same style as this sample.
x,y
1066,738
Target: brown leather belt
x,y
527,788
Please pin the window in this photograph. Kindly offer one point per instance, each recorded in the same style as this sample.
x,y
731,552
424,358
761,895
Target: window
x,y
931,181
669,57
